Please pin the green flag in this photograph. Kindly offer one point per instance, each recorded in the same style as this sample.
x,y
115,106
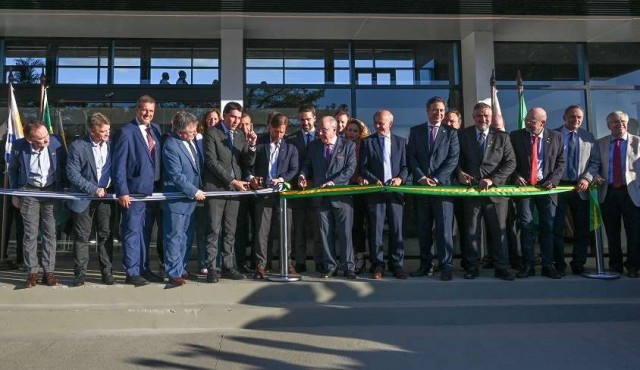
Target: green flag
x,y
46,114
522,109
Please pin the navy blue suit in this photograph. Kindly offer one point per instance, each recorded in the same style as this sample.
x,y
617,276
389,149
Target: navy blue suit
x,y
437,162
287,169
335,213
38,213
384,205
181,175
83,178
134,172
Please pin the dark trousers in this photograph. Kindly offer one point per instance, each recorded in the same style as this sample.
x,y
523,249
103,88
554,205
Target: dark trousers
x,y
580,212
512,237
618,207
335,219
223,219
14,217
200,235
389,207
267,221
546,212
494,215
360,219
98,213
305,226
153,215
38,215
435,213
458,212
135,250
245,232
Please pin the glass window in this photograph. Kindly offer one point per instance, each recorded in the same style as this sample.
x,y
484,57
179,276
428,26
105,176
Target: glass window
x,y
554,102
27,62
539,63
614,63
184,65
604,102
126,63
81,65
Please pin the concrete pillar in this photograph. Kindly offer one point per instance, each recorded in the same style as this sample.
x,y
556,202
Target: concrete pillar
x,y
231,66
477,64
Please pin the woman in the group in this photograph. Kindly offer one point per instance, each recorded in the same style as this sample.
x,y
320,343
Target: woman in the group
x,y
355,131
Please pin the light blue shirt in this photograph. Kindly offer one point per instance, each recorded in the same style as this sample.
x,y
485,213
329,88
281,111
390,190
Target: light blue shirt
x,y
40,173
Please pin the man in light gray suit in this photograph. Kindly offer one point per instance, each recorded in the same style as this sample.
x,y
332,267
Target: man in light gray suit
x,y
582,163
619,192
89,172
331,161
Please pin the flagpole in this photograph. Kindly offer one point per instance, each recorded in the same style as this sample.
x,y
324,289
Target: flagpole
x,y
492,83
4,263
43,80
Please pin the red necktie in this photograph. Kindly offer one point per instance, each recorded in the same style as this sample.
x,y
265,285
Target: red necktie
x,y
151,142
533,178
617,165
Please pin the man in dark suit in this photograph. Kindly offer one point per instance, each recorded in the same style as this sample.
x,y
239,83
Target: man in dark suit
x,y
276,163
38,164
582,164
539,162
227,155
136,168
304,218
383,161
432,156
331,161
89,172
486,160
619,192
181,164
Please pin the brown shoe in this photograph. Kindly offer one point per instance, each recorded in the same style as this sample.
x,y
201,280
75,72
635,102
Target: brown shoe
x,y
292,271
50,279
32,280
377,273
260,273
179,281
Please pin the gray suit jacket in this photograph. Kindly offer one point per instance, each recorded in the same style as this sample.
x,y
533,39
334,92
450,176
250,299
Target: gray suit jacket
x,y
219,158
81,171
589,157
630,171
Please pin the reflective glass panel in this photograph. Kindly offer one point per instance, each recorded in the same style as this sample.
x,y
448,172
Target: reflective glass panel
x,y
614,63
604,102
539,63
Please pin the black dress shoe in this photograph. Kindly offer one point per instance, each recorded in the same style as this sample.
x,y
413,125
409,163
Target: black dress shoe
x,y
551,272
301,267
212,276
179,281
399,273
233,274
526,272
424,270
150,276
136,280
471,274
108,279
189,276
79,280
504,274
446,275
350,274
328,274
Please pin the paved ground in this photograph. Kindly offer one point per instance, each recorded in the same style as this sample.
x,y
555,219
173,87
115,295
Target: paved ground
x,y
421,323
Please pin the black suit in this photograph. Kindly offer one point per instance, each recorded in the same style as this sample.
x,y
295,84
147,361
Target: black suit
x,y
495,162
552,147
223,164
287,169
381,205
304,218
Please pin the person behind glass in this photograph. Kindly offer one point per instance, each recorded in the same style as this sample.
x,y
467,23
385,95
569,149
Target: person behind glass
x,y
619,192
227,154
182,174
165,79
136,169
305,223
342,117
182,78
383,161
246,226
355,131
89,172
539,162
38,164
453,119
209,119
582,165
497,122
432,156
486,161
276,163
331,161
